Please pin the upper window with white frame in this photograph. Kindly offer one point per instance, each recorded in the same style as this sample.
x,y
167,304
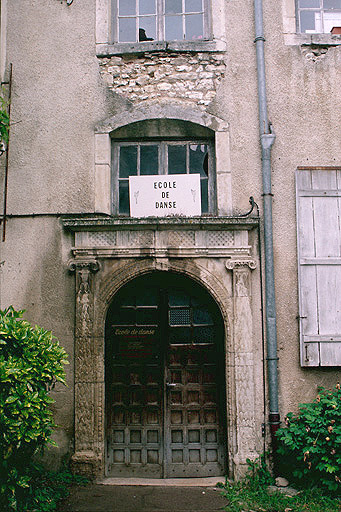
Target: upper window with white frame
x,y
162,147
160,20
318,16
162,158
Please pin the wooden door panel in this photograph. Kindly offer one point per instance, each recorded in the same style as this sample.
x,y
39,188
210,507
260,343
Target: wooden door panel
x,y
163,374
134,386
194,437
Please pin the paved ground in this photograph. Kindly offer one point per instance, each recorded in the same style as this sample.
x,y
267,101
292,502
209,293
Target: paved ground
x,y
145,498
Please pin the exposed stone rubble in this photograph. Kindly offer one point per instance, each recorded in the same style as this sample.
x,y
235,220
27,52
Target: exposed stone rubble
x,y
193,77
315,53
281,482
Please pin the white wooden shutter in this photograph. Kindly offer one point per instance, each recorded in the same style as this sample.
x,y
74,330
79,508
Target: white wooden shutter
x,y
319,263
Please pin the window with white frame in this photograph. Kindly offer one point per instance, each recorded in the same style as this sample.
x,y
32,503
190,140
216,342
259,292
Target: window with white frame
x,y
166,157
318,16
160,20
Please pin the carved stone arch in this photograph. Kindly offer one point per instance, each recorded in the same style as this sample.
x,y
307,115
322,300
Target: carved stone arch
x,y
116,279
233,301
117,276
162,111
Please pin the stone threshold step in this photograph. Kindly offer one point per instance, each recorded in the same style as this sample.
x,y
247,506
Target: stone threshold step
x,y
164,482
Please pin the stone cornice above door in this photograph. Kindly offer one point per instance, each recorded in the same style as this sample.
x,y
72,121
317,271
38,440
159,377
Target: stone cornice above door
x,y
184,237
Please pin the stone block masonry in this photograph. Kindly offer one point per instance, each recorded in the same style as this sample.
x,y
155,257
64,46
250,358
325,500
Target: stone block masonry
x,y
193,77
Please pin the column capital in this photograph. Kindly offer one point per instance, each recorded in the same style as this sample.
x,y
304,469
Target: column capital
x,y
240,264
89,265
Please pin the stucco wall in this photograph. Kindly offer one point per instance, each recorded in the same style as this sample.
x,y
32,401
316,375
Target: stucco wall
x,y
304,99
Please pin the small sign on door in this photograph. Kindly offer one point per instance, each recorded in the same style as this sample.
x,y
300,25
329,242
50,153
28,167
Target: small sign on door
x,y
162,196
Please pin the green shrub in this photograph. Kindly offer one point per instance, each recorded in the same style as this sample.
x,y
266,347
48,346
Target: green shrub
x,y
254,493
49,487
258,474
4,120
311,442
31,362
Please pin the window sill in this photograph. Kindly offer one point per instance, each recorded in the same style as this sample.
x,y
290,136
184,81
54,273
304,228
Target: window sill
x,y
107,50
312,39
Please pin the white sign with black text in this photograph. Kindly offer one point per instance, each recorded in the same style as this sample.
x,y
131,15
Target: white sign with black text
x,y
162,196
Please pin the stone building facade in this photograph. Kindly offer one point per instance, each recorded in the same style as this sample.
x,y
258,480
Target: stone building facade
x,y
162,316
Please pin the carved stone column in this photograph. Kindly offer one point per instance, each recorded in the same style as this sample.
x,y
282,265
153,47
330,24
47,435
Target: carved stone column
x,y
243,367
89,383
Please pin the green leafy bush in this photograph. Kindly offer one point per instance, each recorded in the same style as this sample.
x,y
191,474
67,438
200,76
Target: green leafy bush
x,y
254,493
258,472
31,362
4,120
311,441
48,488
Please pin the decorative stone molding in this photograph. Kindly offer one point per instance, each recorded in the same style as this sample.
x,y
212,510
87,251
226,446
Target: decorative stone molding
x,y
157,110
230,290
237,264
162,264
197,237
244,363
89,384
87,265
121,273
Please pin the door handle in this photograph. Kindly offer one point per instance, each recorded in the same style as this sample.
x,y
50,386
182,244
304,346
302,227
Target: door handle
x,y
170,385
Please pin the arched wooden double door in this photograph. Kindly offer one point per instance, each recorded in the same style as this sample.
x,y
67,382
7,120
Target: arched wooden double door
x,y
164,380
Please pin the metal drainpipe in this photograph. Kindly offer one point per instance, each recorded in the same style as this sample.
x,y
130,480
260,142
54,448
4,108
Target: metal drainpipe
x,y
267,138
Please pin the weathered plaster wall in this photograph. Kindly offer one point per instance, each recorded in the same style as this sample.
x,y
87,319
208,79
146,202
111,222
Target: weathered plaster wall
x,y
34,277
57,98
304,99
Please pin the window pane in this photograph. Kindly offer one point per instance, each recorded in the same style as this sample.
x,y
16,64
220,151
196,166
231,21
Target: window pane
x,y
203,334
308,3
128,161
198,159
123,316
180,335
124,197
307,19
147,28
331,19
176,159
147,7
127,316
146,316
127,7
173,6
193,5
180,316
178,298
194,26
149,160
173,28
127,30
147,297
204,195
332,4
201,316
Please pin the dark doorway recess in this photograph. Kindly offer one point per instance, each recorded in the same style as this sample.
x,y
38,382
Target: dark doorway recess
x,y
165,385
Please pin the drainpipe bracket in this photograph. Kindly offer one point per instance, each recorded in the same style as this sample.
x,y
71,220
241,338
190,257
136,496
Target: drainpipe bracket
x,y
267,140
259,38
